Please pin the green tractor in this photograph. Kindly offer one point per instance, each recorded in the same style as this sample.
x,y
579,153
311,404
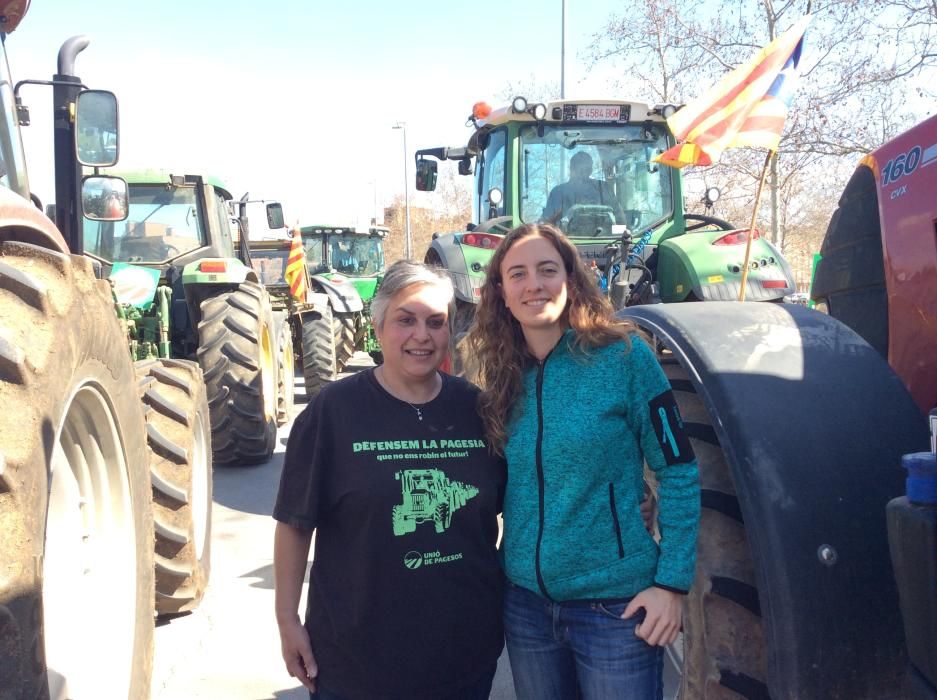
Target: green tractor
x,y
186,295
625,213
313,327
338,256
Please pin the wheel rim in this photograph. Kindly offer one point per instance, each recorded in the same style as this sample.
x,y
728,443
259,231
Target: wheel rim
x,y
90,568
201,480
268,366
289,371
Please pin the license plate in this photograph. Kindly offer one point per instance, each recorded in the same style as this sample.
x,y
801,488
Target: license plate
x,y
598,113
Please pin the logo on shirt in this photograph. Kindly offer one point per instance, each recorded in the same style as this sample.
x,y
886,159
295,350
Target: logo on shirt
x,y
428,496
414,560
668,426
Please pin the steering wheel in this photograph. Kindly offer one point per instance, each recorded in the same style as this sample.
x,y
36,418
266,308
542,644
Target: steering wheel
x,y
589,219
500,225
703,221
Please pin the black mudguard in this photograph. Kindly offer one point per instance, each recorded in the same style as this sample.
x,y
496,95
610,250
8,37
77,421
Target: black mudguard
x,y
813,423
344,297
449,252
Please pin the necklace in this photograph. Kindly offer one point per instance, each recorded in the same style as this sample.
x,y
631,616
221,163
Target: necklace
x,y
418,409
379,374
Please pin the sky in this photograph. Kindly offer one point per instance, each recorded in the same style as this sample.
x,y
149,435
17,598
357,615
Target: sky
x,y
295,101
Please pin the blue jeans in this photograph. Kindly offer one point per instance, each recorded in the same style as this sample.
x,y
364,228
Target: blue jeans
x,y
480,690
556,648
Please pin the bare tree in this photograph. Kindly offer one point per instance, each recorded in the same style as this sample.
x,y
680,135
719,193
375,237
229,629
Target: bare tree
x,y
860,64
448,208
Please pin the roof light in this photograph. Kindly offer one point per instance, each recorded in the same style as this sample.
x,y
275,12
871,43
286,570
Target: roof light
x,y
480,110
667,111
539,111
519,105
213,266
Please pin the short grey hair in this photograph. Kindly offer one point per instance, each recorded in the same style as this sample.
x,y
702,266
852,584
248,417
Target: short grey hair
x,y
403,274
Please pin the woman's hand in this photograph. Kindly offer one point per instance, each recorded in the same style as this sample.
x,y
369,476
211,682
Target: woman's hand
x,y
663,614
297,653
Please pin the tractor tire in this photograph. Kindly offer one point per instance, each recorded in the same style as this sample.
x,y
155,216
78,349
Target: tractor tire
x,y
343,327
237,354
179,433
76,601
319,366
442,517
461,363
400,523
723,640
283,331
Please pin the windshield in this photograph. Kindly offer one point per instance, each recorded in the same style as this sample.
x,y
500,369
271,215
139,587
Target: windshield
x,y
358,256
270,265
587,178
163,223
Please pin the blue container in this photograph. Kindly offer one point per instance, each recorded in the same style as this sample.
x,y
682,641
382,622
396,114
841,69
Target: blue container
x,y
921,483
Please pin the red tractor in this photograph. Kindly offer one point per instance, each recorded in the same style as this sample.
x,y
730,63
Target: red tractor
x,y
878,275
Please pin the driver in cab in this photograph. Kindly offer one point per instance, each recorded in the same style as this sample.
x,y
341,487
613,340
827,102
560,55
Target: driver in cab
x,y
580,189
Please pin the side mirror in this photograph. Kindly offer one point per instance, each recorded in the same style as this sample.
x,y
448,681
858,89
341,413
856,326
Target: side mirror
x,y
465,166
275,216
96,133
104,198
426,173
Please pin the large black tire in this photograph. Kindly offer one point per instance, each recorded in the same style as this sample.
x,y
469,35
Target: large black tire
x,y
237,353
462,320
723,639
286,369
343,326
76,599
319,366
179,436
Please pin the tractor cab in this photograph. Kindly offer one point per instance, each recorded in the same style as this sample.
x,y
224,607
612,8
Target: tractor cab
x,y
587,167
170,220
340,252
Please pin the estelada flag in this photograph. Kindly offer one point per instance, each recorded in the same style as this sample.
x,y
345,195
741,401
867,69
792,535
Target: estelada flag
x,y
747,107
295,273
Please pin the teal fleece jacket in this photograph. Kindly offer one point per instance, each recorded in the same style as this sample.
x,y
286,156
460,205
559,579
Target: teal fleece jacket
x,y
577,439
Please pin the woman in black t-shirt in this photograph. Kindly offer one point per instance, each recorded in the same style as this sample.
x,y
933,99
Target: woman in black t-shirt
x,y
391,469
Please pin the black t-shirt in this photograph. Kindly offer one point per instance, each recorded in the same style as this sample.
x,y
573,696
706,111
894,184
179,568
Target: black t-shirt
x,y
405,588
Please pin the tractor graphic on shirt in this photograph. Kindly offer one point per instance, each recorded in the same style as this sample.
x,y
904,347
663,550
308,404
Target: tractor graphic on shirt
x,y
428,495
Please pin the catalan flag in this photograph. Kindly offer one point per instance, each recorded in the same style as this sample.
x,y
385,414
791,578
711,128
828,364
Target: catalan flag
x,y
296,267
747,107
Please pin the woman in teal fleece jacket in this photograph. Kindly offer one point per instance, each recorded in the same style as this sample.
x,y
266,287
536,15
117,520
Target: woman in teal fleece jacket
x,y
577,403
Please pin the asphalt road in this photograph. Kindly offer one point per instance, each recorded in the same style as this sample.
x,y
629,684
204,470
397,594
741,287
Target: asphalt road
x,y
229,649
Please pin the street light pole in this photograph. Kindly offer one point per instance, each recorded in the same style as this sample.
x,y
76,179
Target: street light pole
x,y
406,189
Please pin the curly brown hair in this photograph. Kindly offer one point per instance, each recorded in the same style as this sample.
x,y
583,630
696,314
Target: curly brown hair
x,y
496,341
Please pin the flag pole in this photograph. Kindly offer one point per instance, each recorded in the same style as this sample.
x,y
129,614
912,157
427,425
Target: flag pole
x,y
751,227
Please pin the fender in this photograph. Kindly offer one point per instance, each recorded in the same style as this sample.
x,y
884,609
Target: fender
x,y
343,295
315,301
812,422
446,251
230,271
24,223
691,263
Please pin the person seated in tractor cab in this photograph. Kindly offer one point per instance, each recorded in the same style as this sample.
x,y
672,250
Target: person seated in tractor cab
x,y
344,258
583,191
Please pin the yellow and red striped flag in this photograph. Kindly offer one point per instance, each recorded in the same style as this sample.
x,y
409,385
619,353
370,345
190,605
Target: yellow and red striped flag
x,y
295,273
747,107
